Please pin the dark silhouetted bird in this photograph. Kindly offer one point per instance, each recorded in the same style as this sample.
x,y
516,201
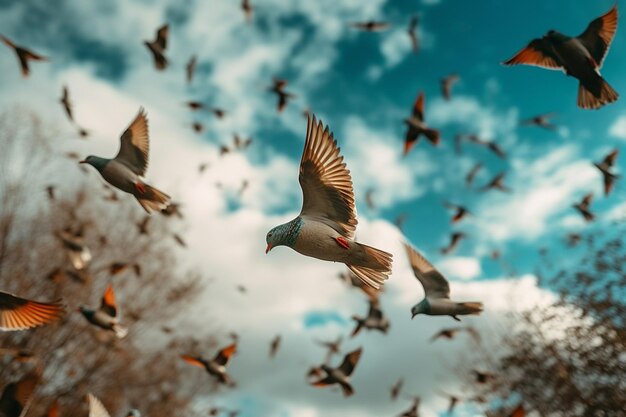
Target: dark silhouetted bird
x,y
460,212
584,209
413,35
106,316
216,366
340,375
190,68
496,183
446,85
375,320
278,88
605,166
455,239
542,120
370,26
274,346
65,102
157,47
247,9
416,126
23,55
394,392
471,174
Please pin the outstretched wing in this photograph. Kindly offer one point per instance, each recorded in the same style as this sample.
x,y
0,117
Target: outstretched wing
x,y
223,356
538,53
96,409
599,34
135,145
108,302
435,285
19,313
350,361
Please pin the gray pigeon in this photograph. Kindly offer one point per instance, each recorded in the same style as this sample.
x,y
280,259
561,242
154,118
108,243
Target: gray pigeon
x,y
326,225
340,375
375,320
126,170
217,365
437,291
105,317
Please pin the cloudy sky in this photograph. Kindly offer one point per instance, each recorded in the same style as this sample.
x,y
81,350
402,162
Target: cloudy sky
x,y
362,85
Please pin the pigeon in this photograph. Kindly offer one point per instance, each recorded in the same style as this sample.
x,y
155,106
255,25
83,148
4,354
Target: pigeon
x,y
190,68
437,291
77,252
605,168
495,148
370,26
23,55
416,126
326,225
580,57
65,101
157,47
542,120
394,392
274,346
96,409
278,88
412,31
106,316
126,170
333,347
340,375
50,190
496,183
375,320
583,207
451,332
247,9
460,212
455,239
215,366
413,411
446,85
241,144
20,313
469,178
18,396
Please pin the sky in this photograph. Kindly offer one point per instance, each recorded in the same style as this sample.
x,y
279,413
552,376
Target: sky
x,y
362,85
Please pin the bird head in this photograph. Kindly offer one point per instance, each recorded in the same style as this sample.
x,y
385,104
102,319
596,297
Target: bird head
x,y
553,35
86,311
95,162
283,235
419,308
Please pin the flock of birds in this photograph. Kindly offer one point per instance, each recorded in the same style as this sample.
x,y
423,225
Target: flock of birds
x,y
326,225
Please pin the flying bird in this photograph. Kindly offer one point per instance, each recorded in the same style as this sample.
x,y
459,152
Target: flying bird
x,y
157,47
278,88
580,57
437,300
450,332
126,170
446,85
413,411
542,120
333,347
471,174
247,9
496,183
340,375
375,320
216,366
412,32
455,239
605,168
77,251
18,313
241,144
326,225
495,148
106,316
460,212
416,126
482,377
24,55
584,209
190,68
394,392
370,26
18,396
274,346
65,102
369,199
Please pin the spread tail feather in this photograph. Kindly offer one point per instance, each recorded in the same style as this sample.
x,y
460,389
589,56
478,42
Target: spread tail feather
x,y
470,308
604,94
375,266
347,389
153,199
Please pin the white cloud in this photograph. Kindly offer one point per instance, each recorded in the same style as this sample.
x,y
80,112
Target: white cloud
x,y
618,128
462,267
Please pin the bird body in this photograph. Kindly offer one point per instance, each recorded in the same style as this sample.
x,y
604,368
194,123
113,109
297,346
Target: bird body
x,y
105,317
340,375
216,366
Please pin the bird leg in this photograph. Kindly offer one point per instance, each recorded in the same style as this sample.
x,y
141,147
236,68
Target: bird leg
x,y
341,241
456,318
140,187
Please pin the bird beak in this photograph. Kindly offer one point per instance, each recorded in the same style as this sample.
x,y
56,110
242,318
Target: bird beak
x,y
269,248
413,316
84,161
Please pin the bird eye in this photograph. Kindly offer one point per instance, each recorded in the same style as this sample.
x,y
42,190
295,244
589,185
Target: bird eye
x,y
269,235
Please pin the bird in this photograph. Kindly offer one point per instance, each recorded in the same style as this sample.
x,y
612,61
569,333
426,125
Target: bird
x,y
142,226
325,227
172,210
106,316
412,32
51,191
495,148
496,183
247,9
413,411
375,320
96,409
18,313
195,105
450,332
455,239
24,55
605,168
217,112
580,57
370,26
482,377
157,47
453,401
126,170
542,120
340,375
216,366
573,239
333,347
437,300
447,83
274,346
65,102
278,88
355,282
241,144
77,251
583,207
460,212
178,239
369,199
190,68
471,174
416,126
394,392
18,396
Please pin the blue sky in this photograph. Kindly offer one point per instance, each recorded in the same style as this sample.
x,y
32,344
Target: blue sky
x,y
362,85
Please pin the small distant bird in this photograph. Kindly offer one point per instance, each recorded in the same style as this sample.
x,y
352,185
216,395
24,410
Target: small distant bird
x,y
195,105
247,9
96,409
375,320
18,396
241,144
178,238
412,31
584,209
416,126
482,377
278,88
190,68
446,85
172,210
106,316
20,313
496,183
77,251
50,190
573,239
395,389
580,57
65,101
216,366
326,225
495,148
340,375
126,170
605,168
437,291
197,127
219,113
451,332
157,47
369,199
370,26
455,239
274,346
333,347
23,55
83,133
414,410
542,120
460,212
142,226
